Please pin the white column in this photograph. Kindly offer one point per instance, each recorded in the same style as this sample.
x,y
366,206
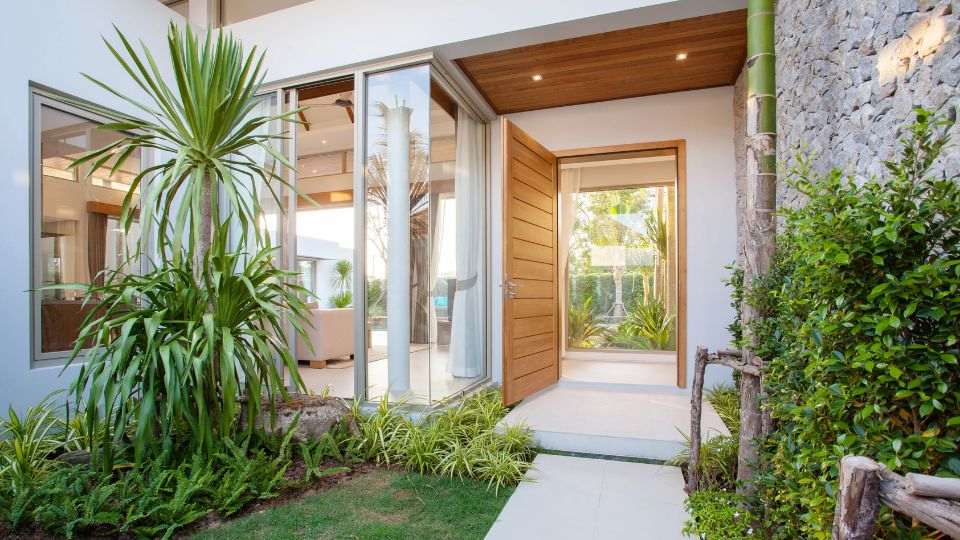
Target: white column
x,y
398,248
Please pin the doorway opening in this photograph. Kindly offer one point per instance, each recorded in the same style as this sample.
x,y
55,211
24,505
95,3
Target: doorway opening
x,y
621,261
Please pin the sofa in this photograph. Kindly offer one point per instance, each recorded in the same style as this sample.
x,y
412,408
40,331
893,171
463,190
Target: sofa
x,y
331,336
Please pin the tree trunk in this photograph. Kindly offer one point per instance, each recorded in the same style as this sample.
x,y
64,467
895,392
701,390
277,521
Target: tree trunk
x,y
205,234
760,220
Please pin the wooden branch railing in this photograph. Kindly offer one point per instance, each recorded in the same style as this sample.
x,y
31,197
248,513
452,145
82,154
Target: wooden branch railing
x,y
723,357
865,485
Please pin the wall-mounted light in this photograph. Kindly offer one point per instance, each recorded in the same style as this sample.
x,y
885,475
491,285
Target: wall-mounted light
x,y
537,77
681,56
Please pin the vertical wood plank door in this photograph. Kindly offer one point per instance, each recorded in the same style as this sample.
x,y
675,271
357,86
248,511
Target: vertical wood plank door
x,y
530,307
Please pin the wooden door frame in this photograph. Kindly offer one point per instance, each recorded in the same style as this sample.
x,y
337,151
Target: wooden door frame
x,y
680,146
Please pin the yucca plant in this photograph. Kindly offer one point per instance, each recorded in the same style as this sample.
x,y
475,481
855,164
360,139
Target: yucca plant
x,y
162,361
176,349
209,125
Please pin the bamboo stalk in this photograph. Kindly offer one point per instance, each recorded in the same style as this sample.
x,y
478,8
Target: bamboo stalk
x,y
759,219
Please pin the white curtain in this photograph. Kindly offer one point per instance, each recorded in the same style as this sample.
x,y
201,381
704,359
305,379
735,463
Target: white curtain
x,y
569,187
436,241
466,340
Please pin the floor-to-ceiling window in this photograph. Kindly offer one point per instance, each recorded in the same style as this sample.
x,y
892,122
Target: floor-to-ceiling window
x,y
421,256
424,207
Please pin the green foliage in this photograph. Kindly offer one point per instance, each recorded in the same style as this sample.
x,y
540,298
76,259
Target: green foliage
x,y
342,299
651,323
208,123
582,325
162,364
726,401
28,442
718,453
460,441
637,286
735,282
861,333
718,515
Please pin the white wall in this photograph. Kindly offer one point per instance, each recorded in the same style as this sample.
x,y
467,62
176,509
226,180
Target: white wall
x,y
704,118
50,42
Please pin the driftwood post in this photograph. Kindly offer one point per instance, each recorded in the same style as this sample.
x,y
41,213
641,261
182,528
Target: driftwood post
x,y
866,484
859,500
696,412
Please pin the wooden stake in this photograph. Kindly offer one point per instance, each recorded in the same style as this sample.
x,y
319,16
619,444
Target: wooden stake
x,y
696,412
858,502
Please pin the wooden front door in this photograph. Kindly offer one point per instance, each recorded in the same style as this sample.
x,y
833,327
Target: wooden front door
x,y
530,306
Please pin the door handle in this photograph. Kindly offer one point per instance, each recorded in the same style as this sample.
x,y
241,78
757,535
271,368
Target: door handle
x,y
510,289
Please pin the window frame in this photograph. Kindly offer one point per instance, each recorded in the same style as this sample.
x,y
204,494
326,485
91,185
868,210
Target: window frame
x,y
41,97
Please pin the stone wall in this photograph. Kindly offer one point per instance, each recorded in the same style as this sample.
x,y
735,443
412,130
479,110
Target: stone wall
x,y
849,73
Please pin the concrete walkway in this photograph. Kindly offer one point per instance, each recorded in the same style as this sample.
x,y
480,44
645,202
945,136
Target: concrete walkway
x,y
584,498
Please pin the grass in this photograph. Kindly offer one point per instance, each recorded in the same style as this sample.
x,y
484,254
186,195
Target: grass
x,y
382,504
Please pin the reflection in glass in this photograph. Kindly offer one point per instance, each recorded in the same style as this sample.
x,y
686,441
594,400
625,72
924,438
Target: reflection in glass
x,y
424,212
81,238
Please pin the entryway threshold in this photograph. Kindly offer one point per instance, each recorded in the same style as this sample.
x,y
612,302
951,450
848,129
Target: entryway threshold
x,y
605,420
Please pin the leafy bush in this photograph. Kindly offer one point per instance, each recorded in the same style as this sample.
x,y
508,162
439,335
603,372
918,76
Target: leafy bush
x,y
651,324
862,333
164,364
461,441
582,325
28,442
718,515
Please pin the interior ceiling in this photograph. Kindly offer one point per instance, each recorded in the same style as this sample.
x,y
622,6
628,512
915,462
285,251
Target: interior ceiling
x,y
626,63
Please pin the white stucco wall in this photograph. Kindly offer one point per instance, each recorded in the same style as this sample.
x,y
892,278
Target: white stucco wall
x,y
49,42
704,118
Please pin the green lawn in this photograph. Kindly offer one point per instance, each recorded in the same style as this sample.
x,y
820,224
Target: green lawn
x,y
381,504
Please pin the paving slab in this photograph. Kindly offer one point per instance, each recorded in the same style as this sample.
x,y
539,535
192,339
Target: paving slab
x,y
577,498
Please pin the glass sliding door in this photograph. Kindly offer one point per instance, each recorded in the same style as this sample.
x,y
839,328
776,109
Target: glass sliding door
x,y
425,297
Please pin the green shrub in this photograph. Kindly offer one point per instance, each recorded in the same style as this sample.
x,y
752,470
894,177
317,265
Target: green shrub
x,y
718,515
461,441
726,401
718,453
28,442
650,323
582,325
164,365
862,333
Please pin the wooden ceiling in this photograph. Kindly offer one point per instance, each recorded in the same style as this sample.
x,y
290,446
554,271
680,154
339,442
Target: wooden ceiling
x,y
614,65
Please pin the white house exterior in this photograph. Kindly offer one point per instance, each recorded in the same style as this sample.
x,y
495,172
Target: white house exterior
x,y
50,42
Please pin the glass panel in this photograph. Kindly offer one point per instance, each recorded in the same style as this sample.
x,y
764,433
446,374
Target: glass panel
x,y
325,235
398,240
457,151
622,264
80,235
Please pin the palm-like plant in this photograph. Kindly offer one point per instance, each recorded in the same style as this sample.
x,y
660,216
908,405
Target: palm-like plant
x,y
207,125
176,349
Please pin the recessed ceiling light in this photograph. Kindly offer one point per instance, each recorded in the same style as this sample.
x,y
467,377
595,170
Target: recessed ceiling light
x,y
681,57
324,141
537,77
313,171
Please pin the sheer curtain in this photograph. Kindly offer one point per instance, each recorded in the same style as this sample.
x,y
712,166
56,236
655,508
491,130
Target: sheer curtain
x,y
569,187
466,340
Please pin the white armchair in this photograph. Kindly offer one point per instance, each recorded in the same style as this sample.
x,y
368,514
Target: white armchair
x,y
331,336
